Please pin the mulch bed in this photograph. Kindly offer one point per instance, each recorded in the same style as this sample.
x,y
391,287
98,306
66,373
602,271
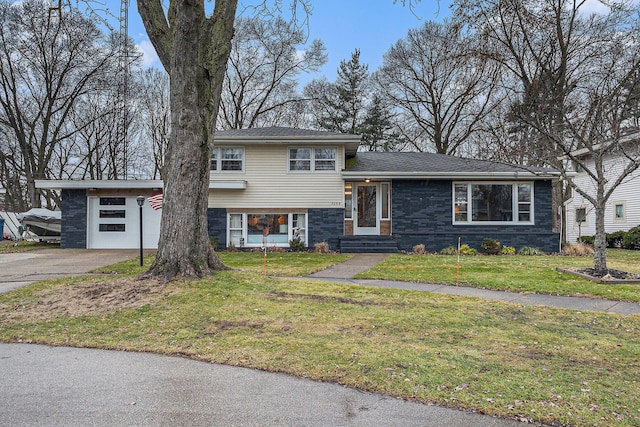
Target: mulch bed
x,y
612,277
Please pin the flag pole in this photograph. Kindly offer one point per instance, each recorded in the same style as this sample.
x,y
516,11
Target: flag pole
x,y
458,267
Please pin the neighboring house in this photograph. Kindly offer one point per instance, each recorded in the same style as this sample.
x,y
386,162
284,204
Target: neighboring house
x,y
622,211
271,185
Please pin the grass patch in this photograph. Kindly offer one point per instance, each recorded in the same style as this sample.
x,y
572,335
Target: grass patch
x,y
529,274
549,365
7,246
278,264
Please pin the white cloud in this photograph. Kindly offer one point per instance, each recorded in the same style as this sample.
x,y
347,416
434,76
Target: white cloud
x,y
149,55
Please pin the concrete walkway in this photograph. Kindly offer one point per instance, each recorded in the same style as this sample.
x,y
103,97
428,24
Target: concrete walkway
x,y
361,262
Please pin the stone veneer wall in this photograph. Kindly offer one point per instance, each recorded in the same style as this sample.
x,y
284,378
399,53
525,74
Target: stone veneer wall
x,y
74,219
217,225
422,214
325,225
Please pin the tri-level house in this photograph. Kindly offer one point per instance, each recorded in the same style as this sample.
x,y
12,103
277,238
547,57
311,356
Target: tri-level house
x,y
272,185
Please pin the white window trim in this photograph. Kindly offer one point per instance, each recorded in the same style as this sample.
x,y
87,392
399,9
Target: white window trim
x,y
245,229
624,212
312,160
219,160
514,203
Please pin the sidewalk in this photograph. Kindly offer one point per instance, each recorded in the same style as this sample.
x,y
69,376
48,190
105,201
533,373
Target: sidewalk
x,y
360,262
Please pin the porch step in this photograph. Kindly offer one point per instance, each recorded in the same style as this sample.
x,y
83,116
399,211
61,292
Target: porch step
x,y
368,244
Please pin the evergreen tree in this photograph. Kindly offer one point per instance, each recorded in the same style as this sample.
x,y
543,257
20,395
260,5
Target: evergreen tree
x,y
342,107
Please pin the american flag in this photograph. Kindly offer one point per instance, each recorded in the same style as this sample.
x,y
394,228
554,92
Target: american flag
x,y
155,201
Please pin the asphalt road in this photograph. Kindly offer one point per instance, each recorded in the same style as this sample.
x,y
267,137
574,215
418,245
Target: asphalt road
x,y
61,386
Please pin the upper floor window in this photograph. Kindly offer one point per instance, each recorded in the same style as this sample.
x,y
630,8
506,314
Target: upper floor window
x,y
489,202
227,159
313,159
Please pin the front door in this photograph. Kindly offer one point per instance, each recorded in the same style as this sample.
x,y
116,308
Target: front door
x,y
367,218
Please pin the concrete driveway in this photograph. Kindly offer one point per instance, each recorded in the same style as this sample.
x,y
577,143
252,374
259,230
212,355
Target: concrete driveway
x,y
22,268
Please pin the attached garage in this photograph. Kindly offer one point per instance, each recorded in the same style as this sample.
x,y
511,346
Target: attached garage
x,y
113,222
100,214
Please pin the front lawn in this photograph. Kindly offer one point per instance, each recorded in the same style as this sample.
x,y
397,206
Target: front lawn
x,y
541,364
8,246
528,274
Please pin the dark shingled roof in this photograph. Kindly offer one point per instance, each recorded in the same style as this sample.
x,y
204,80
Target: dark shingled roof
x,y
432,163
277,132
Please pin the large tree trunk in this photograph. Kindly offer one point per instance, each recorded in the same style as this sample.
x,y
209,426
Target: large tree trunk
x,y
196,61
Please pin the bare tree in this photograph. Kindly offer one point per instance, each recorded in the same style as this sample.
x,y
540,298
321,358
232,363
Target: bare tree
x,y
597,133
46,65
266,58
194,49
442,88
154,114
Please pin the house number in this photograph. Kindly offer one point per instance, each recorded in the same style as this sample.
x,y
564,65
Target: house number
x,y
336,203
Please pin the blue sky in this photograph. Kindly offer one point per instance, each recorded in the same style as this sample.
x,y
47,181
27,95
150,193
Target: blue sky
x,y
343,26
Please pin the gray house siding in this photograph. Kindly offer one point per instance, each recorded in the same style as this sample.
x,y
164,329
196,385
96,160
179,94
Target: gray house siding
x,y
422,214
74,219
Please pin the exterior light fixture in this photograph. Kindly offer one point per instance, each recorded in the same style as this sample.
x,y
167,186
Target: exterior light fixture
x,y
140,201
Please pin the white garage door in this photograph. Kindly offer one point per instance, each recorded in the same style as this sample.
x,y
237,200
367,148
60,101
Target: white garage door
x,y
114,223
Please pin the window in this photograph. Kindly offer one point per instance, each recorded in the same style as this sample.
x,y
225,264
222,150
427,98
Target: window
x,y
300,159
348,200
299,226
272,229
227,159
581,215
493,202
112,227
325,159
313,159
112,214
384,195
112,201
619,212
236,230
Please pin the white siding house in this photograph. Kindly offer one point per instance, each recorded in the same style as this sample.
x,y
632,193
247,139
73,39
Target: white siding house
x,y
622,211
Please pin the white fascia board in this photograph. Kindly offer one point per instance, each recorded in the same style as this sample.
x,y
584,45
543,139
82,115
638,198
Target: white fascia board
x,y
227,185
62,184
450,175
351,142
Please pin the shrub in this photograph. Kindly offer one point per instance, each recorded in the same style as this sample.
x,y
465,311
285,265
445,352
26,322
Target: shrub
x,y
214,243
464,250
232,247
297,245
615,239
631,238
449,250
580,249
508,250
490,246
530,250
467,250
589,240
419,249
321,248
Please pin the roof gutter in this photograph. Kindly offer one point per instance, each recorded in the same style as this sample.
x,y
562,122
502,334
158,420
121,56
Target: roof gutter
x,y
450,175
